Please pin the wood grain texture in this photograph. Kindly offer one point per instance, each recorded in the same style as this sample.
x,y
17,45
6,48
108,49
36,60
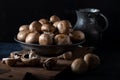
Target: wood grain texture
x,y
36,73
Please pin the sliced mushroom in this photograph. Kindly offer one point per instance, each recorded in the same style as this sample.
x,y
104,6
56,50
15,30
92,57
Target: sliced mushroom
x,y
55,24
25,58
49,63
9,61
15,54
33,54
33,62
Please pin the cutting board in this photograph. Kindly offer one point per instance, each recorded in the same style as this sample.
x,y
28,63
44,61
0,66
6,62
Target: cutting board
x,y
30,73
38,73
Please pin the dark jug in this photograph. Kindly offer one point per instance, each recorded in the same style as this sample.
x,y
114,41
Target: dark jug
x,y
92,23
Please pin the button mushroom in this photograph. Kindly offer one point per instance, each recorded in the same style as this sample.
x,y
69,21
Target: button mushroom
x,y
92,60
35,26
62,39
22,35
66,56
63,26
79,66
77,35
54,18
45,39
32,37
24,28
44,21
47,28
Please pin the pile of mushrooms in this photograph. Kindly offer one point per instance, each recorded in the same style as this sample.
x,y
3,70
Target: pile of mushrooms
x,y
49,32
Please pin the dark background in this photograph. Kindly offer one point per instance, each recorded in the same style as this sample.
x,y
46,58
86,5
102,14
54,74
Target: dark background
x,y
14,13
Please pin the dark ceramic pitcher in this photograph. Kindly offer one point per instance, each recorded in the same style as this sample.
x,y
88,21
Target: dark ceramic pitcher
x,y
92,23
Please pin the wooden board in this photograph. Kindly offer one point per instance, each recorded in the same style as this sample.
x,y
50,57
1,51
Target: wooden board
x,y
30,73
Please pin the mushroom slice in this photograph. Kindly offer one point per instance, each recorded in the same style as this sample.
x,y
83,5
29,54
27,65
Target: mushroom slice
x,y
25,58
15,54
49,63
33,54
9,61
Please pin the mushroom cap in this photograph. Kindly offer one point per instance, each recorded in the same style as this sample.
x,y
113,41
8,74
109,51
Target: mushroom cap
x,y
35,26
45,39
79,66
92,60
62,39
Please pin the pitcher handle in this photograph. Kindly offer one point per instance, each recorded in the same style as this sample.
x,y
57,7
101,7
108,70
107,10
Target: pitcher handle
x,y
106,21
